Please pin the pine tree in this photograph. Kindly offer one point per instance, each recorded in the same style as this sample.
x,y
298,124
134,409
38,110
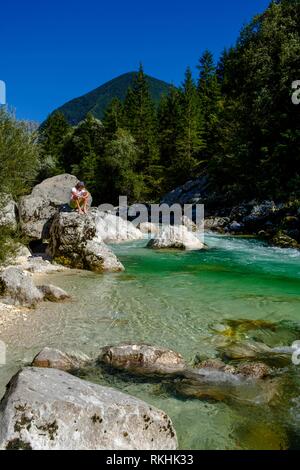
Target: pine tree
x,y
141,121
116,172
52,135
210,100
189,141
169,119
83,150
113,118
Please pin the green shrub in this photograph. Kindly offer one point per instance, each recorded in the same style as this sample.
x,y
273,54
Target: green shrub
x,y
19,164
19,160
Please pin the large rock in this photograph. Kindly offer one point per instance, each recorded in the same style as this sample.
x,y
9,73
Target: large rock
x,y
37,210
113,229
100,258
74,243
176,237
8,212
56,359
17,288
24,260
50,409
193,191
142,359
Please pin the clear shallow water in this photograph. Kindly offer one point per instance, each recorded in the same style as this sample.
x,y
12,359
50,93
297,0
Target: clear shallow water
x,y
174,299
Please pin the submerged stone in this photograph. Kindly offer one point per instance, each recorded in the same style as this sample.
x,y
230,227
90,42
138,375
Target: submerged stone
x,y
249,324
53,293
56,359
216,364
244,350
222,385
237,328
256,370
142,359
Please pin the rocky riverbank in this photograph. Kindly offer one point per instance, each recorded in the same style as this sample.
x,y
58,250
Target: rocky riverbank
x,y
60,238
57,239
277,222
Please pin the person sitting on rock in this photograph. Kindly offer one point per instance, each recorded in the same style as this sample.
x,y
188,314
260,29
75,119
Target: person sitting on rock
x,y
79,198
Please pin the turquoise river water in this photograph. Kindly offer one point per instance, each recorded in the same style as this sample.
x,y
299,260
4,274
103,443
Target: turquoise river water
x,y
178,300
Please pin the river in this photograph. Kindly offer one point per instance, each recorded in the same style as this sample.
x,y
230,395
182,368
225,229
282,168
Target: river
x,y
178,300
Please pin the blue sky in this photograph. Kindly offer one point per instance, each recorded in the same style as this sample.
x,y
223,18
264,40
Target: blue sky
x,y
53,51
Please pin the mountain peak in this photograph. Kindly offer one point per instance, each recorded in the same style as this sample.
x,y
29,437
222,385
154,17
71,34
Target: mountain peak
x,y
97,100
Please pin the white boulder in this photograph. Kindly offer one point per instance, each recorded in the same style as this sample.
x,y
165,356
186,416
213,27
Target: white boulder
x,y
48,409
176,237
37,210
113,229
